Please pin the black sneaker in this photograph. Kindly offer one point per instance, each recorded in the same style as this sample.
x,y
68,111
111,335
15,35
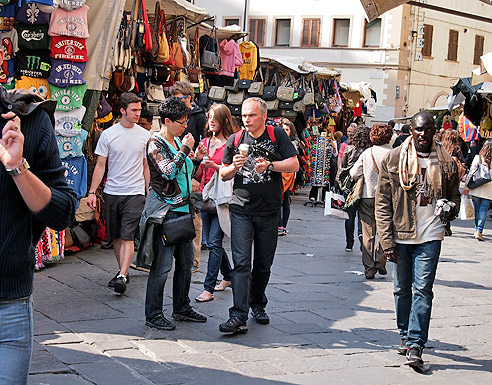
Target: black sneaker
x,y
189,315
160,322
111,283
120,284
414,357
402,348
234,325
260,316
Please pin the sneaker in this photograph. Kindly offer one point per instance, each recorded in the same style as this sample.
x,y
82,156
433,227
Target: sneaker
x,y
349,249
234,325
414,357
160,322
107,246
189,315
402,348
260,316
113,280
120,284
478,235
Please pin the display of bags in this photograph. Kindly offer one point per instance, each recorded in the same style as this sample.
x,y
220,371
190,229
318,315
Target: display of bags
x,y
272,105
480,176
243,84
155,93
235,110
334,205
285,94
467,210
235,98
283,105
217,93
289,114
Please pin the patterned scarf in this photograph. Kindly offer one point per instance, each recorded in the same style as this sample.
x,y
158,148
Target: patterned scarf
x,y
408,167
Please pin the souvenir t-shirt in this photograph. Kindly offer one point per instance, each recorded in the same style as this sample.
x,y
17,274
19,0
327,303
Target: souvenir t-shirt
x,y
29,13
10,47
255,193
76,174
47,6
125,150
33,36
69,123
70,23
33,63
68,99
249,52
35,85
7,16
71,145
66,73
70,5
69,48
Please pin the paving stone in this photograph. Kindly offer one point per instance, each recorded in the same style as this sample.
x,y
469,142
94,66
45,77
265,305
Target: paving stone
x,y
76,353
109,373
43,361
56,379
57,338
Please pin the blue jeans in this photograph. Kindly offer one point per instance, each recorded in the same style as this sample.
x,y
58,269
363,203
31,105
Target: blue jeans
x,y
248,285
16,330
205,230
414,277
161,266
217,256
481,207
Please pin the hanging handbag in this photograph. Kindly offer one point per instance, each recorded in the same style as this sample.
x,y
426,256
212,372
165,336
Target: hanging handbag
x,y
210,58
176,231
155,93
283,105
234,87
235,110
272,105
217,93
256,88
243,84
285,94
308,98
159,73
480,176
288,114
176,49
235,98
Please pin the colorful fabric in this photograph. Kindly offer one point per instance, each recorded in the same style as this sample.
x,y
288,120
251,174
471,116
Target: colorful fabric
x,y
33,63
70,5
70,23
249,53
69,123
468,131
35,85
69,48
71,146
50,248
65,73
10,47
68,99
29,13
33,36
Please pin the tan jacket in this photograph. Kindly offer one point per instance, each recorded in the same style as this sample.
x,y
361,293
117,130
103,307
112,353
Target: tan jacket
x,y
395,208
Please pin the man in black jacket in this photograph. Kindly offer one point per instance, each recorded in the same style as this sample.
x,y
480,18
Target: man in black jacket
x,y
34,195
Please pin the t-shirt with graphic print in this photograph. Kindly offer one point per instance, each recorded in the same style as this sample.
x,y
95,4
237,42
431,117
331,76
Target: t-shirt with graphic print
x,y
33,63
66,73
38,86
68,99
70,23
69,123
29,13
33,36
71,145
9,47
254,193
69,48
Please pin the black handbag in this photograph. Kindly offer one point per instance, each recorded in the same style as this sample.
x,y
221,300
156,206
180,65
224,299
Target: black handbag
x,y
269,93
285,105
480,176
243,84
176,231
80,237
235,110
159,73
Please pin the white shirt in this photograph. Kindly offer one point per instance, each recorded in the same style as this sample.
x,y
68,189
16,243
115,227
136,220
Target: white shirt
x,y
125,150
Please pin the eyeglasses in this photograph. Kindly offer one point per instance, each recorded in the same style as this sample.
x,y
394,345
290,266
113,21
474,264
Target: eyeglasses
x,y
181,97
185,123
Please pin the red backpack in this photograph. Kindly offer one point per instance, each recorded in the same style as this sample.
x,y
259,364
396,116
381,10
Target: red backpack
x,y
270,131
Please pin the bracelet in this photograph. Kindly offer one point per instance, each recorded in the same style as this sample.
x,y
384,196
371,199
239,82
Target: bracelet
x,y
92,193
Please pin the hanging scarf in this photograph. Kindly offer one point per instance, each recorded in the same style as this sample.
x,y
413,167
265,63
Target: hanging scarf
x,y
408,167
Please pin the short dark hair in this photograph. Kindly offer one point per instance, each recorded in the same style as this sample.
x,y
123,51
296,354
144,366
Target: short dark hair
x,y
147,115
184,88
381,134
173,109
392,123
128,98
405,128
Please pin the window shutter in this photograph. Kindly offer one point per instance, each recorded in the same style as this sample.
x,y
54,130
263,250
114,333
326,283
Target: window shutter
x,y
479,43
453,45
310,33
428,36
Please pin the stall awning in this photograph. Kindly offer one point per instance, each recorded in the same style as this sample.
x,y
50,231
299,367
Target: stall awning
x,y
484,72
375,8
301,66
230,32
175,8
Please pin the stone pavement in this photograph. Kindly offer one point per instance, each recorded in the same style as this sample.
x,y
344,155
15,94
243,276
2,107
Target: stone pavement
x,y
329,325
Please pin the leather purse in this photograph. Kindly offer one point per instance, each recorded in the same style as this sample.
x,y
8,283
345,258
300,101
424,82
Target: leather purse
x,y
283,105
159,73
285,94
235,110
217,93
272,105
480,176
235,98
289,114
269,93
155,93
243,84
234,87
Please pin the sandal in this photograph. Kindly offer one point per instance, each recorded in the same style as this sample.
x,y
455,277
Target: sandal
x,y
222,285
204,298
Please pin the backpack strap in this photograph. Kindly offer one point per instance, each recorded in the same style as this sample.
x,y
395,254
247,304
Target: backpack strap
x,y
271,133
237,138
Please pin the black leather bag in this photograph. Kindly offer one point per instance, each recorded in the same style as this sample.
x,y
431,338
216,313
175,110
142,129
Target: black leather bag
x,y
285,105
244,84
235,110
480,176
269,93
80,237
159,73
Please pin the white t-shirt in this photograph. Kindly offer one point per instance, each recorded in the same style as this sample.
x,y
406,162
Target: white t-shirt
x,y
125,150
429,227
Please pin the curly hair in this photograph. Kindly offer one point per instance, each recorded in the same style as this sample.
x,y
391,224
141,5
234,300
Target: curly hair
x,y
486,152
223,120
173,109
381,134
359,137
449,140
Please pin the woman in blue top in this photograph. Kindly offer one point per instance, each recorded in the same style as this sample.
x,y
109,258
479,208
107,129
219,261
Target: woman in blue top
x,y
170,180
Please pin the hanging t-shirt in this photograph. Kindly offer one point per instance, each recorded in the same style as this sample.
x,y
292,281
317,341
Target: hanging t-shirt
x,y
65,73
48,6
33,63
76,174
33,36
70,23
249,52
69,123
69,48
38,86
68,99
125,150
29,13
255,193
7,16
70,5
10,47
71,145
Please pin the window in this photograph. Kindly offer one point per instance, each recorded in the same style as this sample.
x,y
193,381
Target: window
x,y
310,32
257,31
228,22
341,30
453,45
479,42
428,34
282,35
372,33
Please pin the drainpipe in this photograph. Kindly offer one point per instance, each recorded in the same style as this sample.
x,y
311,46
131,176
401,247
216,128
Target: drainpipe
x,y
245,15
413,48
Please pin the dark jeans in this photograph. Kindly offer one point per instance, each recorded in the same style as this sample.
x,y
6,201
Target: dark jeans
x,y
285,210
248,285
217,256
371,253
161,266
352,212
414,278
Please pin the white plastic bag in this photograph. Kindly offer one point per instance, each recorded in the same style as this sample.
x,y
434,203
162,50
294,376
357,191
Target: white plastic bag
x,y
334,205
467,211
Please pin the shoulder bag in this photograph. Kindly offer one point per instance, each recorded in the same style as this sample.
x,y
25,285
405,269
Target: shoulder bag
x,y
480,176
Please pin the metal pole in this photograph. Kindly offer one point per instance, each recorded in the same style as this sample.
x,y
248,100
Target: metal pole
x,y
246,4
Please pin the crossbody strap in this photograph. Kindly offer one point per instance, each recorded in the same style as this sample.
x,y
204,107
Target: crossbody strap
x,y
374,160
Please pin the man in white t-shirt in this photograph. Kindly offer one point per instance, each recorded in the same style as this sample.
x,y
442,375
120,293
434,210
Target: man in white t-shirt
x,y
122,146
415,180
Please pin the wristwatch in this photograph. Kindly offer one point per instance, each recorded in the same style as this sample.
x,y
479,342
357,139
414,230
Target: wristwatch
x,y
20,169
270,166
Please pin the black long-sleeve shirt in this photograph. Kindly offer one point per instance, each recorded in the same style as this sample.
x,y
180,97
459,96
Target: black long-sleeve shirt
x,y
20,229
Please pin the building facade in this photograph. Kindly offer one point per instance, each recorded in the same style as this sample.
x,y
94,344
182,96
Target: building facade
x,y
410,55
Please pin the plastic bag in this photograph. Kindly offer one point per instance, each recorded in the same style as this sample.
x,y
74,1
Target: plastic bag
x,y
335,205
467,211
